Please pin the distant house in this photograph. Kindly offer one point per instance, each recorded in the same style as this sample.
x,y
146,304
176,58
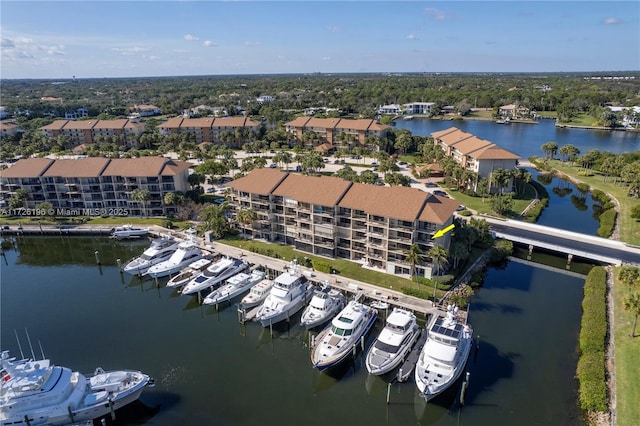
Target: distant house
x,y
146,110
74,115
3,113
630,115
424,108
264,99
8,129
514,111
393,109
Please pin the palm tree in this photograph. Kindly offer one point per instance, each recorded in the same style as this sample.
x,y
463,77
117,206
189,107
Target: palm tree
x,y
142,196
550,148
438,255
629,275
631,303
413,257
246,216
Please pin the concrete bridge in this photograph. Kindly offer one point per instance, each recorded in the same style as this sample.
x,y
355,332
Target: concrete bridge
x,y
566,242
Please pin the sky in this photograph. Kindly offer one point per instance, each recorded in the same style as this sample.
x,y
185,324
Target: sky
x,y
95,39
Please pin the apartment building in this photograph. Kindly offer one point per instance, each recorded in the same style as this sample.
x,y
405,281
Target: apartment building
x,y
473,153
335,130
96,183
331,217
208,129
86,131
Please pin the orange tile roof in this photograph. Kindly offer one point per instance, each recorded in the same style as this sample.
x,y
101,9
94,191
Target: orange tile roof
x,y
496,153
397,202
298,122
56,125
111,124
323,123
80,125
7,126
360,124
260,181
175,167
235,122
136,167
468,145
440,133
81,167
204,122
27,168
438,209
319,190
454,137
172,123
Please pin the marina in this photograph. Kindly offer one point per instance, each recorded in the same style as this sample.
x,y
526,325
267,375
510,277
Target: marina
x,y
189,335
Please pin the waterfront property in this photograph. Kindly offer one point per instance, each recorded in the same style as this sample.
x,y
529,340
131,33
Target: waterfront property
x,y
86,131
96,184
331,217
475,154
335,130
209,129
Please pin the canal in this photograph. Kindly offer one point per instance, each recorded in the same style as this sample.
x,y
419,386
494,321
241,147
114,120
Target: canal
x,y
209,369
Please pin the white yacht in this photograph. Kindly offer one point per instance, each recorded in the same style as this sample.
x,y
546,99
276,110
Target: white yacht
x,y
215,274
129,231
160,250
235,286
35,392
336,342
187,253
188,273
325,304
257,294
394,342
290,292
444,355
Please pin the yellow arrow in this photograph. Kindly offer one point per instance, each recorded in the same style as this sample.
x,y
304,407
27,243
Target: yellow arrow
x,y
441,232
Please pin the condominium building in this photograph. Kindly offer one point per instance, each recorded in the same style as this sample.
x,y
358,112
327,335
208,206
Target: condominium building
x,y
96,183
208,129
473,153
335,130
85,131
331,217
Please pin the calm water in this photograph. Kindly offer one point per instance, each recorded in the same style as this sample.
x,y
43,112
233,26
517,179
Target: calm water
x,y
526,139
209,369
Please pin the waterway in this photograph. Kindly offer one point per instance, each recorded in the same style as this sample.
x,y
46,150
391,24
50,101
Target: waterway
x,y
526,139
209,369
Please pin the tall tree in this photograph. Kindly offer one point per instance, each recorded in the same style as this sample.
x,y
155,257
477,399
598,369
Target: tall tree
x,y
141,195
438,255
414,257
246,217
631,303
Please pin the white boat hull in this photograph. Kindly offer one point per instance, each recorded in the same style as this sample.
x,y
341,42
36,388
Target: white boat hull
x,y
379,367
273,317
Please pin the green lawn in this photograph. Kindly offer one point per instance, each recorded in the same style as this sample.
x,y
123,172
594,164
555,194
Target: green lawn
x,y
629,227
627,355
484,207
111,220
583,119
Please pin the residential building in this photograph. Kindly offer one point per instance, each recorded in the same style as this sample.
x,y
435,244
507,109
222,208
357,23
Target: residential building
x,y
475,154
146,110
514,111
7,129
74,115
335,131
208,129
96,183
3,113
264,99
630,115
422,108
331,217
393,109
85,131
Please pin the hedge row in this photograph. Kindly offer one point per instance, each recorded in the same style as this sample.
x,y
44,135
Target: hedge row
x,y
593,334
534,213
607,223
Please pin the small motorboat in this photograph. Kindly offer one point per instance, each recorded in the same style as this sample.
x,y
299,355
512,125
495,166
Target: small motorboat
x,y
325,304
188,273
235,286
257,294
129,231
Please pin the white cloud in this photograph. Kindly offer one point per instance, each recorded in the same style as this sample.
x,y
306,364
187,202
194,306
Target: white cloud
x,y
130,50
436,14
151,57
252,43
7,43
209,43
411,37
189,37
611,21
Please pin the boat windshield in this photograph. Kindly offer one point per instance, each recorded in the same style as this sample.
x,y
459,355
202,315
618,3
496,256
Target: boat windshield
x,y
384,347
341,331
145,257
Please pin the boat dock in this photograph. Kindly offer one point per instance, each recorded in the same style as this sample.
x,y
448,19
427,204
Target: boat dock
x,y
406,368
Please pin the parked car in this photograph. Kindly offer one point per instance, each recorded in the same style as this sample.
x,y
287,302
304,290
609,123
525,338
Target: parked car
x,y
431,185
211,190
336,161
461,207
374,164
273,165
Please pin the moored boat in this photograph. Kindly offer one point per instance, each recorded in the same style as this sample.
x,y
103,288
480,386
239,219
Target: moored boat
x,y
235,286
188,273
444,355
336,342
290,292
257,294
214,275
187,253
325,304
394,342
36,392
160,250
129,231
